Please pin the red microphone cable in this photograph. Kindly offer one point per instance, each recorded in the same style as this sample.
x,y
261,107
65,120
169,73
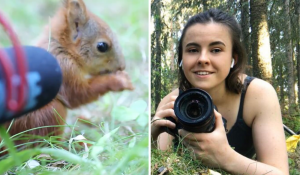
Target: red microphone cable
x,y
12,104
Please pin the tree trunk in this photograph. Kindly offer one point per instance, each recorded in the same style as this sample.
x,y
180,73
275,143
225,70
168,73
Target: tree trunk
x,y
246,35
261,56
171,48
205,5
298,50
289,58
281,85
157,64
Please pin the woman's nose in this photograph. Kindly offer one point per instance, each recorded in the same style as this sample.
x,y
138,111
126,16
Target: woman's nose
x,y
203,59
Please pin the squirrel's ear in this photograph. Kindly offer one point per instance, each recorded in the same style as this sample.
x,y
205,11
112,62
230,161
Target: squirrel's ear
x,y
77,16
65,2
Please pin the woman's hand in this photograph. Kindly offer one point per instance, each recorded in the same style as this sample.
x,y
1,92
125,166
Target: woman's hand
x,y
211,148
165,109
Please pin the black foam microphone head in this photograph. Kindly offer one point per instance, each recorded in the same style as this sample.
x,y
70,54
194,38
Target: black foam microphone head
x,y
44,78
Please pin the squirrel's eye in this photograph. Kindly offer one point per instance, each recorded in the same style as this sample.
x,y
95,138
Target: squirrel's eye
x,y
102,47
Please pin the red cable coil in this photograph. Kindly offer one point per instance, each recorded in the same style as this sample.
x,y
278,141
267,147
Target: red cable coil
x,y
12,104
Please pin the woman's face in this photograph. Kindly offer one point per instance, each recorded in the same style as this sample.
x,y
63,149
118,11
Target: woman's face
x,y
207,55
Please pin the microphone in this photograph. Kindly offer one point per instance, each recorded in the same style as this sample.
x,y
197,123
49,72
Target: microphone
x,y
44,78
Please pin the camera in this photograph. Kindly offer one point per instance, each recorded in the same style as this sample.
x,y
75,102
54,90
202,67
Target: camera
x,y
194,110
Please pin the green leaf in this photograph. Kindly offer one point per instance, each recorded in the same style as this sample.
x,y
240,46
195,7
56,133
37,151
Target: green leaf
x,y
132,142
10,162
67,156
139,106
102,143
143,119
122,113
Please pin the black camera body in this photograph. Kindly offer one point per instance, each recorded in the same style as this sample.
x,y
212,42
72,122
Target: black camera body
x,y
194,110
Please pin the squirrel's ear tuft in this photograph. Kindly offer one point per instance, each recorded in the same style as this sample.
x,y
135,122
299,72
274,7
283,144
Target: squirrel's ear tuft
x,y
76,11
77,16
65,2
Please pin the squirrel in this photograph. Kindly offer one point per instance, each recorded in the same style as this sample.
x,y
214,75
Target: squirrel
x,y
91,61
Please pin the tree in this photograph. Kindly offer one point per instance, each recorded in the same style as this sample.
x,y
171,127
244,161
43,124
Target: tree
x,y
245,25
156,8
289,58
261,55
298,47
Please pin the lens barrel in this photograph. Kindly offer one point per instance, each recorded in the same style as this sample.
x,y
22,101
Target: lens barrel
x,y
195,111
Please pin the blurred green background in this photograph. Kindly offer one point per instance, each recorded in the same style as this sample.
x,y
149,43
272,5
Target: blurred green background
x,y
128,110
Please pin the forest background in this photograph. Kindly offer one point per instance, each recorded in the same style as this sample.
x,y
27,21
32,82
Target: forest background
x,y
271,36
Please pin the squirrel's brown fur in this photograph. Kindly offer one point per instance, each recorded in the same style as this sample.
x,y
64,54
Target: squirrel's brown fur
x,y
87,72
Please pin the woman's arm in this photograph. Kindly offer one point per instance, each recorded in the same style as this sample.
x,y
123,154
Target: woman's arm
x,y
267,127
267,131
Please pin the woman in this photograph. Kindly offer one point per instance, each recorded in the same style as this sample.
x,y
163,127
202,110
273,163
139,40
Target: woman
x,y
211,57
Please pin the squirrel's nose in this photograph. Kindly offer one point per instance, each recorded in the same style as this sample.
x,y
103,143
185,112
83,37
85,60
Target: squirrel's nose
x,y
121,67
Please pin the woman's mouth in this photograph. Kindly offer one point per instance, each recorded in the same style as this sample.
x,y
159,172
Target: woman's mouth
x,y
203,73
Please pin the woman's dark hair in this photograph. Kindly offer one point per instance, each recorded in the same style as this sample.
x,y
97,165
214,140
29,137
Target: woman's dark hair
x,y
233,83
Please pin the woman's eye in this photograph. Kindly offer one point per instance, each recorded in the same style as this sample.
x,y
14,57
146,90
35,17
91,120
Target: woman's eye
x,y
216,50
192,50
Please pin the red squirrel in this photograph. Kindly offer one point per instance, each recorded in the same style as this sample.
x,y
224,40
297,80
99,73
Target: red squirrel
x,y
91,61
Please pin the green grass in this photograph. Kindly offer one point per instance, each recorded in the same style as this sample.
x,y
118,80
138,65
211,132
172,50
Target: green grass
x,y
118,132
294,161
178,162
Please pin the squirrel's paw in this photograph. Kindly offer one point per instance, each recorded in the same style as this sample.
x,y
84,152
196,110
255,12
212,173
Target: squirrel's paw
x,y
118,81
123,82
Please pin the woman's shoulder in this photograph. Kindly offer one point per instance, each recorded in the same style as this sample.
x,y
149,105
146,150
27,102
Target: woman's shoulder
x,y
261,93
261,100
259,86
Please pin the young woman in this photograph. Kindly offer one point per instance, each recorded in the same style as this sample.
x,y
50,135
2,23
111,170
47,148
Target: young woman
x,y
212,58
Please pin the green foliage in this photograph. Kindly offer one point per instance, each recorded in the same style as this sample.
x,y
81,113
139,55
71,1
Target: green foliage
x,y
294,162
293,122
106,156
58,153
179,162
118,141
136,109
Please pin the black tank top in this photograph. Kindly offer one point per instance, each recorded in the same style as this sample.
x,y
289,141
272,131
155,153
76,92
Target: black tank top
x,y
240,135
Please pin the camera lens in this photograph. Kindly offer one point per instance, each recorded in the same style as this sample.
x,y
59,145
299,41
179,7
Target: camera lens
x,y
194,109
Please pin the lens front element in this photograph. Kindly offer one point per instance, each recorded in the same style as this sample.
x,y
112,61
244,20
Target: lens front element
x,y
194,109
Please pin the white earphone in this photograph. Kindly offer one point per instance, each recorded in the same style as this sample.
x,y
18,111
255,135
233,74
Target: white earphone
x,y
232,63
180,65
